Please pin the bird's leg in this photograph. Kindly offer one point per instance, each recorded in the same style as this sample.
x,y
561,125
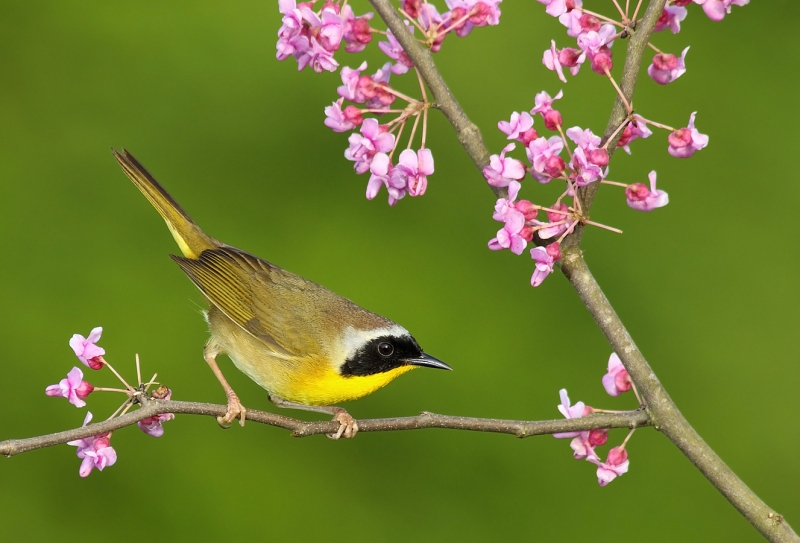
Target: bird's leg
x,y
348,427
235,407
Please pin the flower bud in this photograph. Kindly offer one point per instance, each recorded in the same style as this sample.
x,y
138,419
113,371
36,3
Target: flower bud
x,y
602,61
528,210
83,390
598,438
554,166
637,192
552,119
589,23
95,363
598,157
412,7
616,456
526,233
554,250
528,136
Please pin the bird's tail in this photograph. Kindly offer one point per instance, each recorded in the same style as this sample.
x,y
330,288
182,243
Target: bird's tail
x,y
187,234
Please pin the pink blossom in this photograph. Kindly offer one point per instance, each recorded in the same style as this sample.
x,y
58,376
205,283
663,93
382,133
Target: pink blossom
x,y
152,425
292,21
394,51
556,8
356,30
569,411
543,103
568,57
640,198
583,445
633,130
504,206
96,451
513,234
545,257
477,12
342,121
316,56
73,388
412,170
615,465
540,150
376,88
716,9
519,124
381,170
86,350
585,139
372,140
501,170
559,213
593,41
671,18
331,28
616,380
579,23
666,67
685,141
349,90
585,172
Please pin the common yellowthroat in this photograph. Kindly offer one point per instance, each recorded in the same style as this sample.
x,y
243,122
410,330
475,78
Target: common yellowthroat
x,y
307,346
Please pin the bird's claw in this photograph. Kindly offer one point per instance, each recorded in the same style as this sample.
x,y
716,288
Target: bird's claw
x,y
235,410
348,427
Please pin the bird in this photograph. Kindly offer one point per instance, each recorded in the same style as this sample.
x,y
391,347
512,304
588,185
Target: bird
x,y
308,347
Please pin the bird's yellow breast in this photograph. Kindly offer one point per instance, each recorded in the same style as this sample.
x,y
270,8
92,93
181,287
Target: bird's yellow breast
x,y
319,384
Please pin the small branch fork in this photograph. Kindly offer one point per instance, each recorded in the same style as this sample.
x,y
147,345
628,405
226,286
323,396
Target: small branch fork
x,y
664,414
300,428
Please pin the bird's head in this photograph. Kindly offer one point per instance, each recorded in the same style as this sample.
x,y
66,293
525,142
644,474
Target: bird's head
x,y
383,350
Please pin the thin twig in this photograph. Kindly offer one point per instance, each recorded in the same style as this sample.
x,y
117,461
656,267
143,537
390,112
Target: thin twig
x,y
300,428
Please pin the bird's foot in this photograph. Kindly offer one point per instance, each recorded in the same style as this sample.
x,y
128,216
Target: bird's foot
x,y
235,409
348,427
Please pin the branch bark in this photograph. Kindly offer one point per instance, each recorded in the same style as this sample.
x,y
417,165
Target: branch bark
x,y
300,428
663,411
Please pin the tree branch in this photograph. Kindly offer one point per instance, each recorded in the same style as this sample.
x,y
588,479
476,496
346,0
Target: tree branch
x,y
300,428
665,414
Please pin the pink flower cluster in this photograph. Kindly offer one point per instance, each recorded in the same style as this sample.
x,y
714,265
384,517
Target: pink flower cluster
x,y
584,444
96,451
371,149
312,37
595,36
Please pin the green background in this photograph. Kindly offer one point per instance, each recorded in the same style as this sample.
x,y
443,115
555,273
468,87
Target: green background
x,y
708,285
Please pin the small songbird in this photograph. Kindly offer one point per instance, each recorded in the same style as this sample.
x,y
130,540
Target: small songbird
x,y
307,346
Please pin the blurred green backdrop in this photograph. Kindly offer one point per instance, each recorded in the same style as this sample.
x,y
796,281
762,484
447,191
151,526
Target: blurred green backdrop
x,y
708,285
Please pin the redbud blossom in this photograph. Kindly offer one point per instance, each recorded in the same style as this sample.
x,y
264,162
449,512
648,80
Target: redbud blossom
x,y
671,18
617,380
545,258
514,235
350,78
86,350
412,170
342,121
666,67
569,411
381,169
585,172
540,153
685,141
152,425
520,123
633,130
73,388
615,465
716,9
640,198
356,30
555,216
96,451
373,140
543,103
481,13
394,51
556,8
501,170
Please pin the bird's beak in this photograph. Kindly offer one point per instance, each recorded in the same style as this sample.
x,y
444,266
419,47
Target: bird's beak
x,y
429,362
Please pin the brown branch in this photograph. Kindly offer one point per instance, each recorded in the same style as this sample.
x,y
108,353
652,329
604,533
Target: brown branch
x,y
300,428
662,409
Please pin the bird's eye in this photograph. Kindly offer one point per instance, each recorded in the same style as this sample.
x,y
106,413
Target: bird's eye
x,y
385,349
